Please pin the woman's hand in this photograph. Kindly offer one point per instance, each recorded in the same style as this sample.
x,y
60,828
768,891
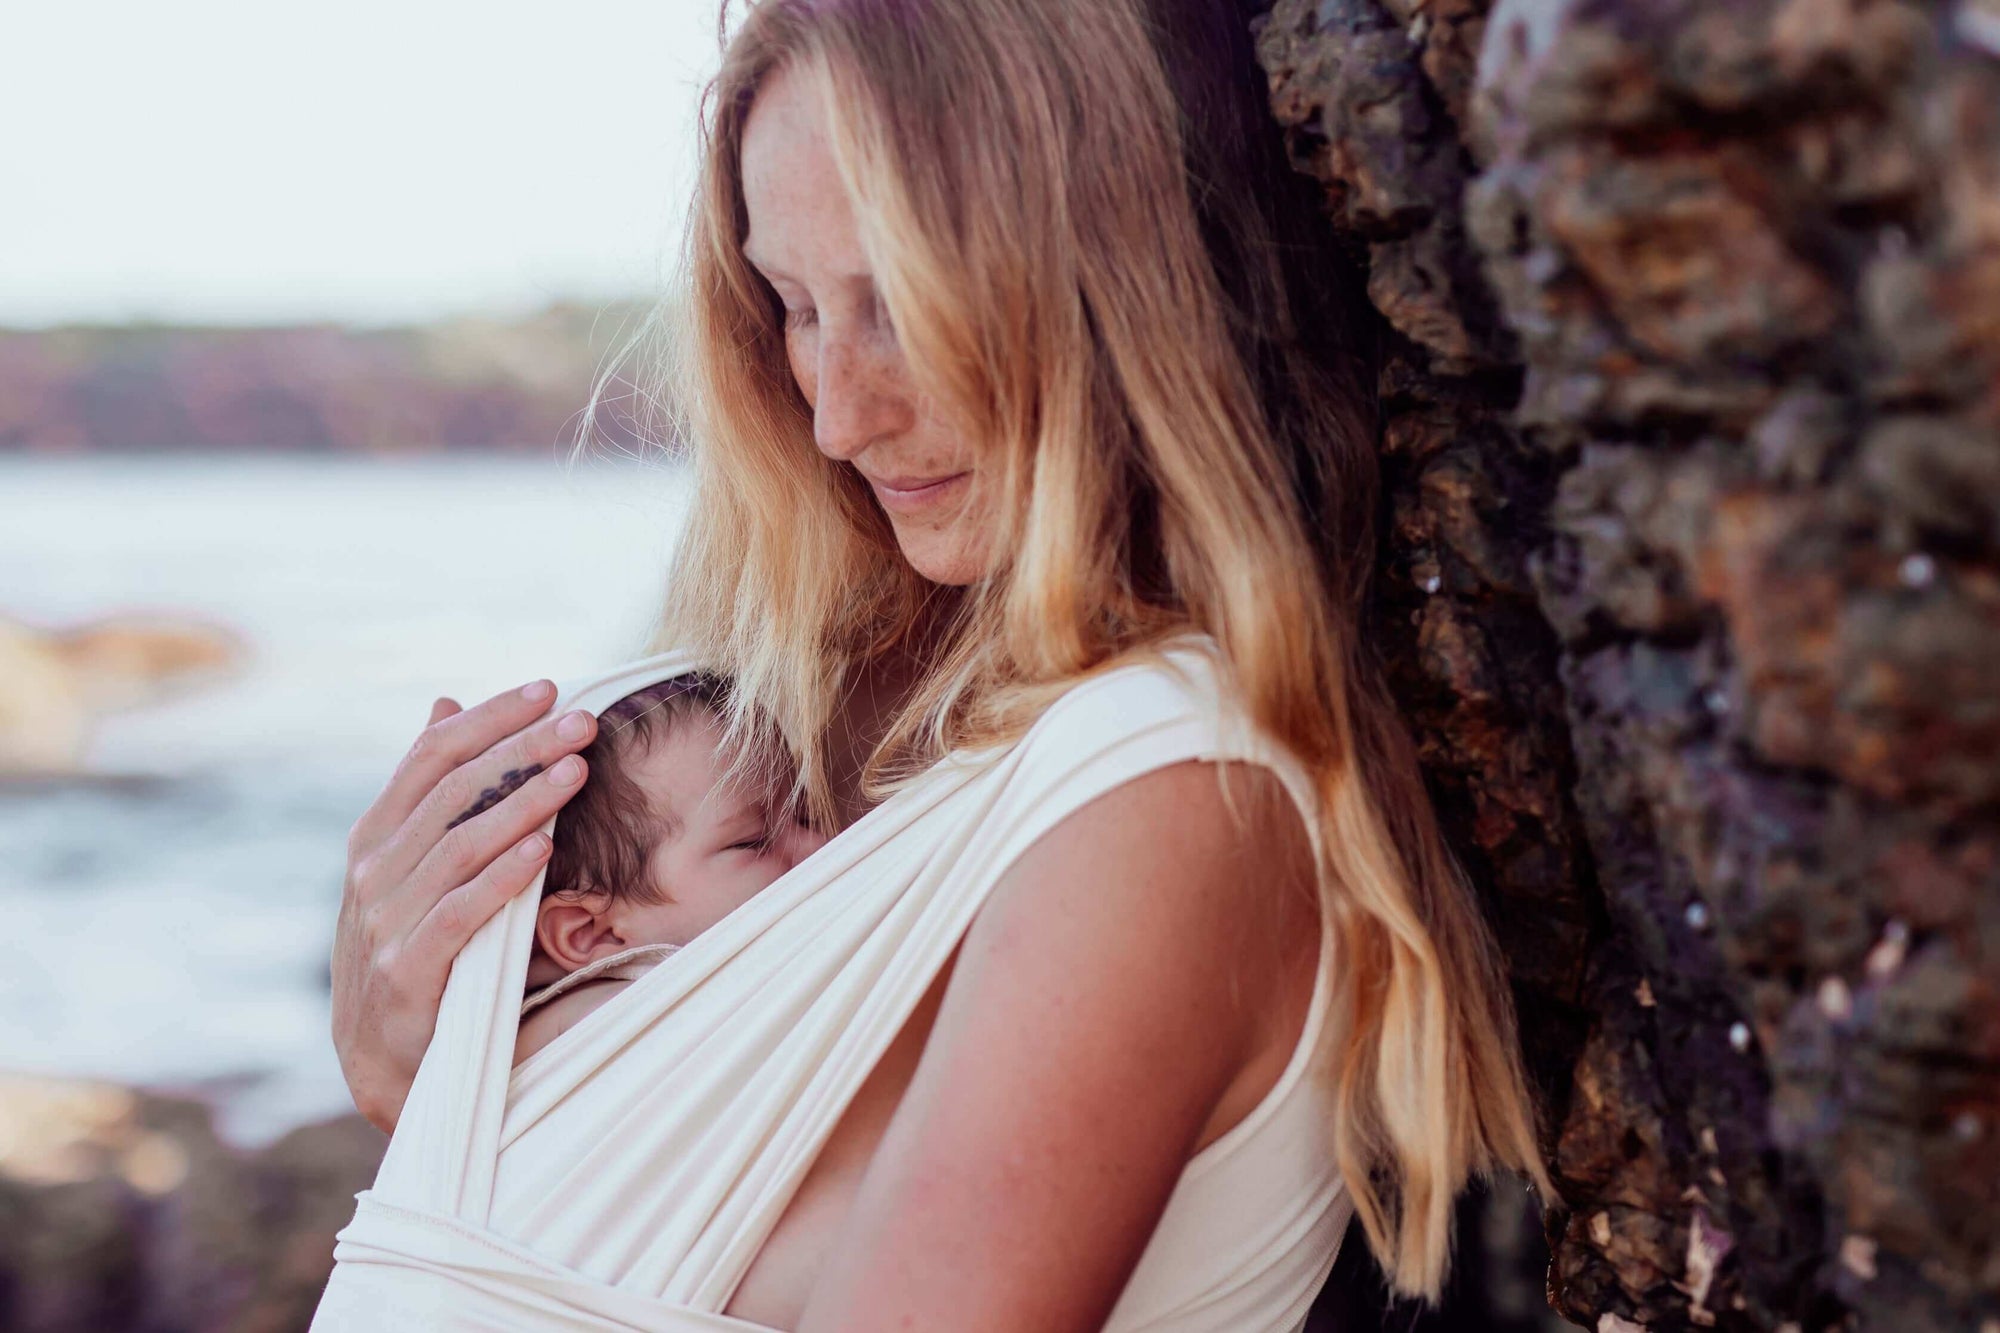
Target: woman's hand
x,y
454,835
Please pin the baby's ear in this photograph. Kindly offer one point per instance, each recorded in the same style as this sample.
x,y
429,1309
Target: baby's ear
x,y
574,931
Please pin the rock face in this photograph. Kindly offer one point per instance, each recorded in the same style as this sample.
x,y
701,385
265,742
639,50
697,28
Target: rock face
x,y
1692,587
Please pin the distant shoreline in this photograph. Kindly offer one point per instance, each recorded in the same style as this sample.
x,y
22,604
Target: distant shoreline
x,y
480,384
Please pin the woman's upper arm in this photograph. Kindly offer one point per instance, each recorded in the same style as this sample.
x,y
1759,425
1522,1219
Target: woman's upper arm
x,y
1102,1003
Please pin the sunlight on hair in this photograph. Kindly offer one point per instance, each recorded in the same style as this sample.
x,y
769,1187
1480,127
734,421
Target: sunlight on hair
x,y
1046,273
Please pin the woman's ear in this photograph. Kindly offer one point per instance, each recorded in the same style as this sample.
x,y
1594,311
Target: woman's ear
x,y
574,931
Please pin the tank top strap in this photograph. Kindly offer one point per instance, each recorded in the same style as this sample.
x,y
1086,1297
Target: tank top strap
x,y
1168,705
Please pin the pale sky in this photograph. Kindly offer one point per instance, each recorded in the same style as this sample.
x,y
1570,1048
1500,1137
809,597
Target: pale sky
x,y
370,160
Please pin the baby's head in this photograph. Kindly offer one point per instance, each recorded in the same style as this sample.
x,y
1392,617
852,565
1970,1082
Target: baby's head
x,y
662,842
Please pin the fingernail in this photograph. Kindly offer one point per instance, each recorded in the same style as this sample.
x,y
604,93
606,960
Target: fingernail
x,y
533,848
538,692
573,726
568,771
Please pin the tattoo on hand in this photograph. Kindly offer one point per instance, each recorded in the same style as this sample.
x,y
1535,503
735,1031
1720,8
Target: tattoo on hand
x,y
510,782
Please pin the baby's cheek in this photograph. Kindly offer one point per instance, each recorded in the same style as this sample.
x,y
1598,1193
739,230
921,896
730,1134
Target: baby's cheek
x,y
768,874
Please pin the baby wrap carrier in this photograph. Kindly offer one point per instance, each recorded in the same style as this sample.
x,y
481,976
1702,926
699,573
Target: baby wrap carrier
x,y
626,1175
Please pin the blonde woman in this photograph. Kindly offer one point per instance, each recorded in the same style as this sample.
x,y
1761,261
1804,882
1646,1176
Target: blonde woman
x,y
990,394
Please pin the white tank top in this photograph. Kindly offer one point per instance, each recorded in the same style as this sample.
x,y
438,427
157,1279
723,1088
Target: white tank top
x,y
626,1175
1255,1222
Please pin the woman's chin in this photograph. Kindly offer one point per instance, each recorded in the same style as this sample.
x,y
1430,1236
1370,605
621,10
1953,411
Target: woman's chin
x,y
943,558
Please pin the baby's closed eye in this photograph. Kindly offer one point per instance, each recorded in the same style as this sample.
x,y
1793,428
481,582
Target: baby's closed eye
x,y
753,833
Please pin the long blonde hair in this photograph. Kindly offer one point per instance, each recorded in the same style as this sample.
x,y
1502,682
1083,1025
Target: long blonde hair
x,y
1019,174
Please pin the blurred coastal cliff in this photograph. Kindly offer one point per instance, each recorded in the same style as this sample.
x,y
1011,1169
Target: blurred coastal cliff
x,y
483,383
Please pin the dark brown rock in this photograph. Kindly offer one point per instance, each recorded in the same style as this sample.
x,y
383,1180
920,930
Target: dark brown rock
x,y
1692,591
124,1211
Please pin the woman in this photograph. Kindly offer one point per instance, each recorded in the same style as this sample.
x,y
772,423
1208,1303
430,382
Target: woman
x,y
987,399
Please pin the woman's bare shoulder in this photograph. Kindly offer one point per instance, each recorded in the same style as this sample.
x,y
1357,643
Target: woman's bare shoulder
x,y
1105,1008
1200,860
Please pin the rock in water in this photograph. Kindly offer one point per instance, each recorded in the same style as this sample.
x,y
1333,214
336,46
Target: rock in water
x,y
122,1211
55,683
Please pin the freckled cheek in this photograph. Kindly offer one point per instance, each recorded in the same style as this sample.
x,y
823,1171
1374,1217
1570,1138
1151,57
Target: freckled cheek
x,y
805,368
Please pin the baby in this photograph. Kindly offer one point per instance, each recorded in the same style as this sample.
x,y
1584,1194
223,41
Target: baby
x,y
659,845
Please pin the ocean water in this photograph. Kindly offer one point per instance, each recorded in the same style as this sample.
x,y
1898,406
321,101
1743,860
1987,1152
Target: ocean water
x,y
165,922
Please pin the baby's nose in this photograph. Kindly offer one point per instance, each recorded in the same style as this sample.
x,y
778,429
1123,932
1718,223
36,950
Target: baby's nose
x,y
799,842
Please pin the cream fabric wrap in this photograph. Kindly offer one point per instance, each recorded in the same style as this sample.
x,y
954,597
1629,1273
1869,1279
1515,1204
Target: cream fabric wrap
x,y
625,1176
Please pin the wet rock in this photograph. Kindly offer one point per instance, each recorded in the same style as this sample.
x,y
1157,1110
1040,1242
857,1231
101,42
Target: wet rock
x,y
121,1210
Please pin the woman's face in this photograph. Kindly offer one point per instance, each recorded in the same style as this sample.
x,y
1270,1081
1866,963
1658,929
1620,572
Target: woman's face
x,y
843,351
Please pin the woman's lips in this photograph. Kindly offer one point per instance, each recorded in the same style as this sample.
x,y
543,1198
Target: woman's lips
x,y
911,495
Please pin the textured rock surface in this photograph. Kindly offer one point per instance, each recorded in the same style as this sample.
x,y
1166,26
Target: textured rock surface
x,y
1693,590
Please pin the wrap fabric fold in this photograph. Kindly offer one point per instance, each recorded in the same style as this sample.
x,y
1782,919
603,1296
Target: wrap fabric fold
x,y
625,965
626,1175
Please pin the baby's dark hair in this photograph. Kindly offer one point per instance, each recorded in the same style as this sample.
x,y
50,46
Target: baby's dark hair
x,y
606,835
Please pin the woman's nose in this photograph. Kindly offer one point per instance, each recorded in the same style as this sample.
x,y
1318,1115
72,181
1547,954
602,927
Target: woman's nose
x,y
860,398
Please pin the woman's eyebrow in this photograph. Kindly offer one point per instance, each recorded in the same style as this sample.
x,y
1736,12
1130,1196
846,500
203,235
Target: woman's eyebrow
x,y
861,277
